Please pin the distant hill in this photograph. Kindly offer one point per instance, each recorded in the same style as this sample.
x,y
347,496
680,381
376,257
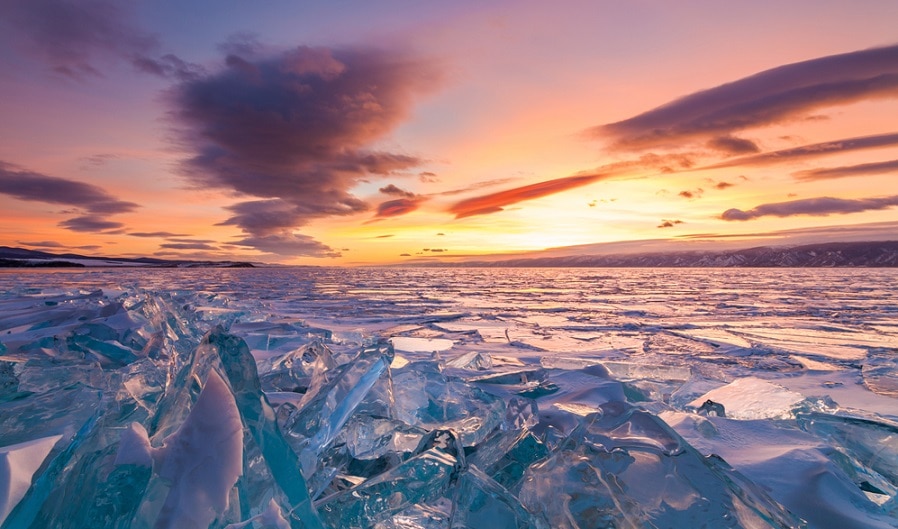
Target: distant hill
x,y
824,255
22,258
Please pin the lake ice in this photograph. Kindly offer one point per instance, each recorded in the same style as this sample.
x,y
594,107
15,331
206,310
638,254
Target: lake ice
x,y
449,398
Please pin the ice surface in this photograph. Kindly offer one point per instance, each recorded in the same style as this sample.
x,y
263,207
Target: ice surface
x,y
752,398
312,398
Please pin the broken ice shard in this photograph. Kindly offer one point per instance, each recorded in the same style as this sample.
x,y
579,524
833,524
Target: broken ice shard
x,y
325,409
431,400
422,478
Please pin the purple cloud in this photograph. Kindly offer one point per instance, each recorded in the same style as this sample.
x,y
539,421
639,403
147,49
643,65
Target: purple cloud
x,y
295,245
160,234
90,223
87,198
400,206
396,191
75,38
812,150
188,246
731,145
779,94
863,169
295,129
821,206
43,244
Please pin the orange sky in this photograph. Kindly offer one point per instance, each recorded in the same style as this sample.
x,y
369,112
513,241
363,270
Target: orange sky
x,y
402,131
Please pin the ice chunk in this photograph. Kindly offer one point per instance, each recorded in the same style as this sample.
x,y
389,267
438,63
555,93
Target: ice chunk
x,y
319,419
472,360
421,479
872,444
268,455
482,502
624,467
800,470
431,400
752,398
420,345
18,463
880,371
202,460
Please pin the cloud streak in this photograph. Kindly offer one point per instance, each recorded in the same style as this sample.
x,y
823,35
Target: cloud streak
x,y
811,151
821,207
495,202
398,207
863,169
94,201
295,129
787,92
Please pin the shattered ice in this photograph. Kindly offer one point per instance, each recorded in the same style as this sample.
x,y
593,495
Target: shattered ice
x,y
534,399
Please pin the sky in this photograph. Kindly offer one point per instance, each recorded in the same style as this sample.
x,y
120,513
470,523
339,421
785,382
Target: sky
x,y
360,133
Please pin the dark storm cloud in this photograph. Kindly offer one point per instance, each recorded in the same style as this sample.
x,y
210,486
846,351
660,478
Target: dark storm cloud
x,y
731,145
812,150
77,38
90,223
821,206
779,94
863,169
295,129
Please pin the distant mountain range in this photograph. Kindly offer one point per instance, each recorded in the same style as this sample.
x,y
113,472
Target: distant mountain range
x,y
22,258
824,255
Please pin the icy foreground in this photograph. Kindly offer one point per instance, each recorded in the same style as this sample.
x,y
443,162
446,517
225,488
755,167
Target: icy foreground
x,y
182,408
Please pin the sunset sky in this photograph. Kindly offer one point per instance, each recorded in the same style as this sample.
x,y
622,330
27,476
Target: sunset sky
x,y
343,133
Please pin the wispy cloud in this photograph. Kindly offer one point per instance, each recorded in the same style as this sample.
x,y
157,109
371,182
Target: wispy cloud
x,y
495,202
188,246
296,128
288,244
42,244
160,234
821,206
400,206
396,191
811,151
94,202
665,223
787,92
731,145
863,169
77,38
90,223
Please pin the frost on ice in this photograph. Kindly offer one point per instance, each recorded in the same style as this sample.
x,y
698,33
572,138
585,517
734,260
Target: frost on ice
x,y
184,409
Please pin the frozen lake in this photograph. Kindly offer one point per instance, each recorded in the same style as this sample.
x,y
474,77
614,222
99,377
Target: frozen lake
x,y
566,397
